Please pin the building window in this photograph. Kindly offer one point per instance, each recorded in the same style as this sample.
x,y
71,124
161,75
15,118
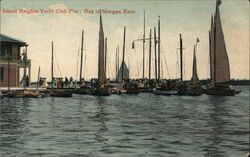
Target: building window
x,y
6,50
1,74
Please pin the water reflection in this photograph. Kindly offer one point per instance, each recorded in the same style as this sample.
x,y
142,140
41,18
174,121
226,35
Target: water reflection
x,y
216,126
142,125
102,117
13,121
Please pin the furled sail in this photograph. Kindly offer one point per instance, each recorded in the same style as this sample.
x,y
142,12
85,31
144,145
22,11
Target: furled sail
x,y
125,74
222,68
195,78
101,62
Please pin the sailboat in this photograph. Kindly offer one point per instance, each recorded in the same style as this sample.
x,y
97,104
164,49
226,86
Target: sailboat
x,y
123,74
55,92
219,63
194,88
83,89
101,88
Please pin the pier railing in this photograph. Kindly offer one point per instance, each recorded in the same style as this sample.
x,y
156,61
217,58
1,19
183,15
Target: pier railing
x,y
20,62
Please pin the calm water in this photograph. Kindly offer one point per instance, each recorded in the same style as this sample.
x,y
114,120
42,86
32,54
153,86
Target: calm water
x,y
143,125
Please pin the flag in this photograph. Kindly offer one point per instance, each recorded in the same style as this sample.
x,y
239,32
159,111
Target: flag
x,y
197,40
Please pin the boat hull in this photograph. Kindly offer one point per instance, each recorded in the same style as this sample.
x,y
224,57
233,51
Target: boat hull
x,y
165,92
101,92
22,94
132,91
221,91
83,91
60,93
145,90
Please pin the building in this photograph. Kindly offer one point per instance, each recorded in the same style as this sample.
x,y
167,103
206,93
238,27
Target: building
x,y
12,60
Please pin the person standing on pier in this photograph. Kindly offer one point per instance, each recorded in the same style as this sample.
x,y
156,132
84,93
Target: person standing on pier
x,y
66,82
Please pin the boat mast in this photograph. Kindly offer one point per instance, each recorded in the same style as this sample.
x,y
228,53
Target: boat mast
x,y
143,60
52,64
181,53
159,51
84,74
215,19
210,60
81,56
149,68
105,53
123,53
155,42
38,76
116,63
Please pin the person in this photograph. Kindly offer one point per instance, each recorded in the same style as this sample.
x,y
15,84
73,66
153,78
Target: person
x,y
66,82
22,81
75,84
71,83
27,81
82,82
40,81
44,82
62,82
56,82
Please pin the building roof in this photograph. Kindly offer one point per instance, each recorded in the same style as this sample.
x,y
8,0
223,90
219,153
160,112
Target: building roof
x,y
5,38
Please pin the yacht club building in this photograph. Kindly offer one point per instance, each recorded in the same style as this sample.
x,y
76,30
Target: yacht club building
x,y
13,57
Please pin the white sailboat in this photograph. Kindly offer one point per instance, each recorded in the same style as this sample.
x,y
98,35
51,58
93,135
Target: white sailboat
x,y
219,62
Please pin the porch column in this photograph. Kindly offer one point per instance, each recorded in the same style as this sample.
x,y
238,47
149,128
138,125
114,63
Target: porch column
x,y
29,74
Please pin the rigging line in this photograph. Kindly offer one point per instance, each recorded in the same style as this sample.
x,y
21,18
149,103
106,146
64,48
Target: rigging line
x,y
59,69
77,66
140,67
84,72
109,68
54,67
57,65
166,63
146,57
136,62
184,72
208,68
178,64
128,66
161,69
140,35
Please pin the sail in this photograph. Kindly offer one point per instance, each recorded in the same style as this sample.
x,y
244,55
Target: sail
x,y
221,58
211,50
195,78
125,72
101,62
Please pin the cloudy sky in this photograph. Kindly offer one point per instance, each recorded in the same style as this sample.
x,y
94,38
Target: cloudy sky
x,y
191,18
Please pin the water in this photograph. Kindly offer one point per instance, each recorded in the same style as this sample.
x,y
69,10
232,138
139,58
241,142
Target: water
x,y
127,125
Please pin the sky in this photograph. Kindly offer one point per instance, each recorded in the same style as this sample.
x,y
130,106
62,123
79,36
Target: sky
x,y
191,18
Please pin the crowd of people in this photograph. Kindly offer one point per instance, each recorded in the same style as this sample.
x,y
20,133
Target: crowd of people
x,y
64,83
25,81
